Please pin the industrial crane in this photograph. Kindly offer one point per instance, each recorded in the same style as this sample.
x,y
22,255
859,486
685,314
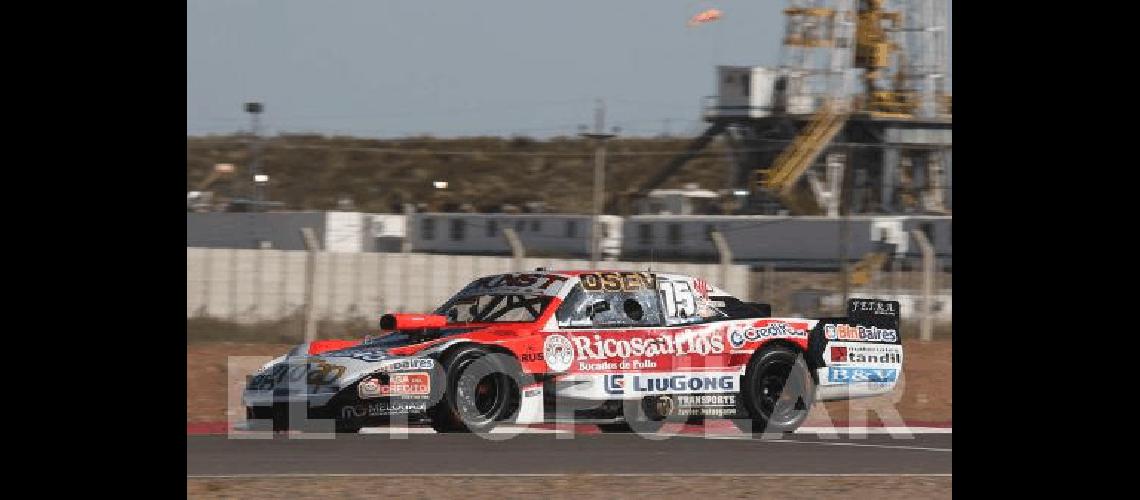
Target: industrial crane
x,y
199,198
220,170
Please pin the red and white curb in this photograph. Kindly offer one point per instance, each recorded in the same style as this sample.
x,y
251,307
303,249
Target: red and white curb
x,y
716,427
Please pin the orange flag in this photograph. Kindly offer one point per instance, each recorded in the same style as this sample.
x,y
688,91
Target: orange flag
x,y
705,17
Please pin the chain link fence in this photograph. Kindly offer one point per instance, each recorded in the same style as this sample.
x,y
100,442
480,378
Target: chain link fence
x,y
254,294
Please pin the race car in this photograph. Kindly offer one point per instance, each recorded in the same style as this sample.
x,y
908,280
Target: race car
x,y
625,350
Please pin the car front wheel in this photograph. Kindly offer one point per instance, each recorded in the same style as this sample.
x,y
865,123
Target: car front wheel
x,y
482,391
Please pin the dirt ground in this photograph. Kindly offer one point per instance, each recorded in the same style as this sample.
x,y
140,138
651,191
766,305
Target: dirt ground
x,y
206,365
924,393
577,487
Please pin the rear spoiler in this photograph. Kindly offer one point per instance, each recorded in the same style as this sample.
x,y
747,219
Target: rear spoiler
x,y
868,320
874,312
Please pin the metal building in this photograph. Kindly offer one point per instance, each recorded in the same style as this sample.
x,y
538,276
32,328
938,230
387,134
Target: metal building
x,y
787,242
341,232
541,234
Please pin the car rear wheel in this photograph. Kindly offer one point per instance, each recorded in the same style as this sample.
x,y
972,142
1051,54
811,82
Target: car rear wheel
x,y
777,392
482,391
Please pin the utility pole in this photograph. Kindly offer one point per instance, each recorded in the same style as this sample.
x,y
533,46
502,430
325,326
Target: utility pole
x,y
847,186
312,247
844,232
254,109
518,252
599,137
926,325
725,253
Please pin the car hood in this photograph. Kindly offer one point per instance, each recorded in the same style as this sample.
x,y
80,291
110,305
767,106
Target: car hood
x,y
340,367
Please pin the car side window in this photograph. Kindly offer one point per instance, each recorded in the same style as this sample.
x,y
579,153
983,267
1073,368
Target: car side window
x,y
683,305
601,309
679,302
575,310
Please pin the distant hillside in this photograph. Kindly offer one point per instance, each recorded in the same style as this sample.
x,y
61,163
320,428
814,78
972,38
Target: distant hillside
x,y
309,172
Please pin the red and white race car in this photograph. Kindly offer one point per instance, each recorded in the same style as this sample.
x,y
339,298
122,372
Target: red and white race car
x,y
621,349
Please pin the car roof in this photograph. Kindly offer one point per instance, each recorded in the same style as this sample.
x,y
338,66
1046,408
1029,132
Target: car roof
x,y
592,271
575,273
578,272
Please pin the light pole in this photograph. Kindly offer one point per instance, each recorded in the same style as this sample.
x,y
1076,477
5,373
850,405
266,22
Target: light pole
x,y
844,191
599,137
254,109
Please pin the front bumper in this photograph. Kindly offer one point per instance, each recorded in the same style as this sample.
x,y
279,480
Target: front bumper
x,y
344,404
270,397
344,411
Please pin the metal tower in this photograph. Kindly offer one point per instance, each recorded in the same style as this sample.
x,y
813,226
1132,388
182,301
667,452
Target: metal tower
x,y
859,95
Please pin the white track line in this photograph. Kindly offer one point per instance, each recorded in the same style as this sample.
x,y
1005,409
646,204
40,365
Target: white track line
x,y
720,434
256,476
429,430
827,443
874,430
801,430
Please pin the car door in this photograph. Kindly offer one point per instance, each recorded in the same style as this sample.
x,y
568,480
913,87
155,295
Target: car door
x,y
612,322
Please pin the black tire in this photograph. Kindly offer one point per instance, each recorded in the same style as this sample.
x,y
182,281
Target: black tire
x,y
482,391
776,393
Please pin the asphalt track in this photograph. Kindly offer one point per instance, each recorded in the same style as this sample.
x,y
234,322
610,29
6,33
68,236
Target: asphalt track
x,y
226,456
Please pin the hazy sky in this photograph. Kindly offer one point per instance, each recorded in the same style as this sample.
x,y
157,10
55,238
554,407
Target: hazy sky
x,y
384,68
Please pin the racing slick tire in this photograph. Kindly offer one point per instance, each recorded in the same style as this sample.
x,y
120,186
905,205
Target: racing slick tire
x,y
776,393
481,392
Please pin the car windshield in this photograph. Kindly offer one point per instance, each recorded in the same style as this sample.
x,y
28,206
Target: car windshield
x,y
503,298
494,308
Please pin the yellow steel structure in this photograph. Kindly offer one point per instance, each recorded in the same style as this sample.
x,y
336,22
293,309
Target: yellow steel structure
x,y
892,104
862,271
210,179
873,47
805,148
809,26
